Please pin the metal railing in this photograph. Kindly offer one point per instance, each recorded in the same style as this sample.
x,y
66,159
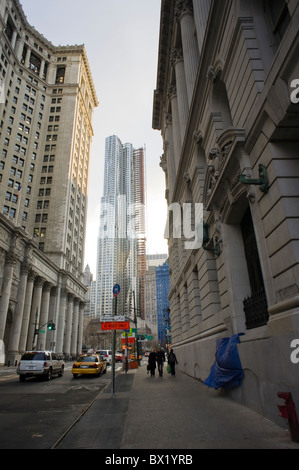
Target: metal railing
x,y
256,310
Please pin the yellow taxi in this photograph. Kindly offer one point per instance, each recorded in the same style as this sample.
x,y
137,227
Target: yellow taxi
x,y
89,364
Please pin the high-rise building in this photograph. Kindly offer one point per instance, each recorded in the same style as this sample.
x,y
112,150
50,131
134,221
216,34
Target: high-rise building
x,y
162,283
46,111
121,255
150,289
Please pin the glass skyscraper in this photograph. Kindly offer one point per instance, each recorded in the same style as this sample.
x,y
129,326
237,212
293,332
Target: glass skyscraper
x,y
121,257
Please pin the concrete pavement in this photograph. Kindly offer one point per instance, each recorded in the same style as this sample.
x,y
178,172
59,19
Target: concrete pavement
x,y
171,413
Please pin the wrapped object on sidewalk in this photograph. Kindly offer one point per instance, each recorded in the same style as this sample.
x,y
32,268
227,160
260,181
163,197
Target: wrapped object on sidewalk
x,y
227,370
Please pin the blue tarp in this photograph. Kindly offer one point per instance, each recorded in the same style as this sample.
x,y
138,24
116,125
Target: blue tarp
x,y
227,370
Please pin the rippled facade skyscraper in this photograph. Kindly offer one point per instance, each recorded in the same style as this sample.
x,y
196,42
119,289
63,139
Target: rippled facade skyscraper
x,y
121,257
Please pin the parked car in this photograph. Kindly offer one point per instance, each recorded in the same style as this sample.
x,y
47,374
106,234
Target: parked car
x,y
89,365
40,364
106,353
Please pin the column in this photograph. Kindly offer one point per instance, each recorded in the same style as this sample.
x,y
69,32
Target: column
x,y
42,66
51,335
6,289
189,43
80,329
18,315
35,312
26,312
183,106
74,339
68,327
27,58
44,316
61,322
177,145
170,156
13,39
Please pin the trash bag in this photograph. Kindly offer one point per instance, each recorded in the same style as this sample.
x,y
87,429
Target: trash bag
x,y
227,370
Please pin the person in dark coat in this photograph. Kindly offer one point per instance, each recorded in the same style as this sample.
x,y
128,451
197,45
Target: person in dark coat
x,y
160,358
152,362
172,361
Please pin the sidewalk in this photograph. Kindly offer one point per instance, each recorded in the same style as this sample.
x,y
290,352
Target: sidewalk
x,y
171,413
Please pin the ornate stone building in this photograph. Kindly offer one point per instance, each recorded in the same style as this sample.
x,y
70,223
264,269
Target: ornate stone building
x,y
46,111
227,107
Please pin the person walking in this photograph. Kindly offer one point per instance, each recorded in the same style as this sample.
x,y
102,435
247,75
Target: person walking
x,y
172,361
160,358
152,362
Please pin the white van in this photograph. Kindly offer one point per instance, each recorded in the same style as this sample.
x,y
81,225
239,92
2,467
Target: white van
x,y
106,353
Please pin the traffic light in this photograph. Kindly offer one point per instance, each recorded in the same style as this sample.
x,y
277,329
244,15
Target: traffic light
x,y
51,326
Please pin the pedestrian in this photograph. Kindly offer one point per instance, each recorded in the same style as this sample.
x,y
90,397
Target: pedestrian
x,y
152,362
172,361
160,358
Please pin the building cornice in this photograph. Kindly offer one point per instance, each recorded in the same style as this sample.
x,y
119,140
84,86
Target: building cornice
x,y
166,28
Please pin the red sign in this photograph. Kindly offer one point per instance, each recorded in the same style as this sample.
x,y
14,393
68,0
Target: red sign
x,y
116,325
128,340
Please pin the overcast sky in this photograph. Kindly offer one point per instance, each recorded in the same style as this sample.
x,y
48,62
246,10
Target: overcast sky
x,y
121,40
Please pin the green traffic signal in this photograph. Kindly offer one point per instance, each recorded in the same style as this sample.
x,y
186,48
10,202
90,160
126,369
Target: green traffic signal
x,y
51,326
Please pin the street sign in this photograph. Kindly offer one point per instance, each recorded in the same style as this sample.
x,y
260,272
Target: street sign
x,y
107,318
116,290
128,340
125,325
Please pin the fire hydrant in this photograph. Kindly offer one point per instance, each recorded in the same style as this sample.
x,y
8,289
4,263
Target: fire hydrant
x,y
288,411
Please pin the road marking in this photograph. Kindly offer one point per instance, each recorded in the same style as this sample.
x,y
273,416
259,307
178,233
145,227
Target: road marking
x,y
7,377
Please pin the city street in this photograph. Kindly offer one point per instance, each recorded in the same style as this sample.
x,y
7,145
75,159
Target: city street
x,y
146,413
34,414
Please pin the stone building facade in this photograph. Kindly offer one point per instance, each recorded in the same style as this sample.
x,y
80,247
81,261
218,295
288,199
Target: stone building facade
x,y
46,111
226,104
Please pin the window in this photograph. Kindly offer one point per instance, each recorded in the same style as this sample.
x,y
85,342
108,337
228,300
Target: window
x,y
60,75
34,63
278,16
